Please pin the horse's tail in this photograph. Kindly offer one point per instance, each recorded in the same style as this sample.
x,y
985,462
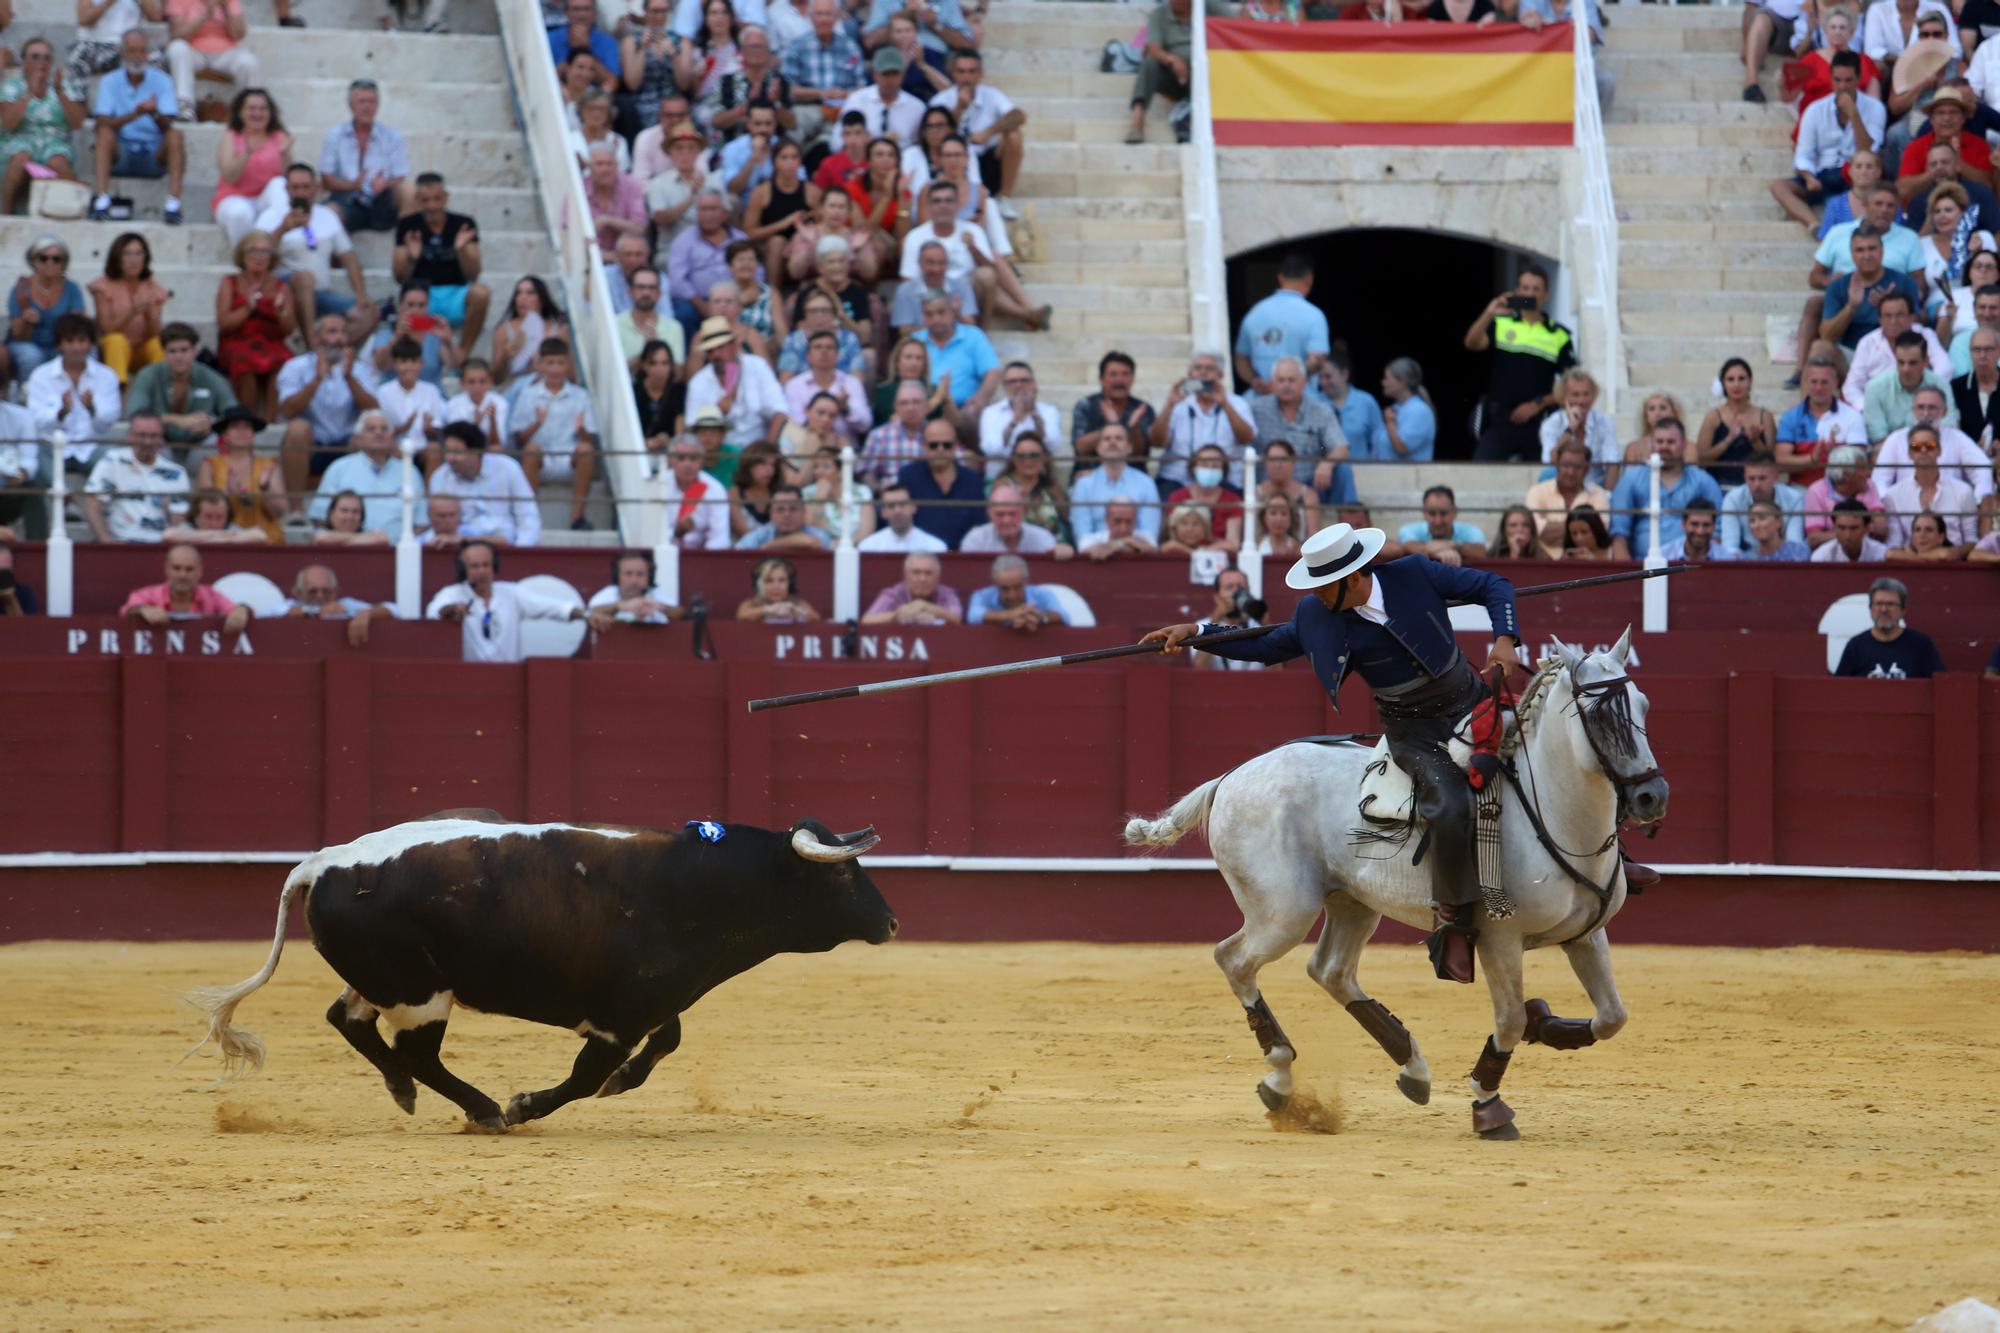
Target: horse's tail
x,y
243,1052
1176,822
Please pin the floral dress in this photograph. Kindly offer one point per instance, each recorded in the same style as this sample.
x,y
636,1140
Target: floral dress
x,y
44,131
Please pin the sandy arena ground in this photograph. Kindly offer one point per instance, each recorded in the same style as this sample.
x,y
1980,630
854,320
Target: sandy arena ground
x,y
1047,1135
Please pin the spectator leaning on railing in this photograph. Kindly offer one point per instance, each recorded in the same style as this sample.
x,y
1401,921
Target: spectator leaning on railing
x,y
1011,601
920,599
316,596
490,609
183,596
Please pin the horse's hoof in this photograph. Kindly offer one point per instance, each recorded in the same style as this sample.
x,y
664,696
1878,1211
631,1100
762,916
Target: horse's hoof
x,y
1416,1090
614,1085
487,1124
1274,1101
518,1109
405,1096
1506,1133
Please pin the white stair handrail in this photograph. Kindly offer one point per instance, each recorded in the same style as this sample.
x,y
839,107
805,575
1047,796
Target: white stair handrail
x,y
579,266
1598,218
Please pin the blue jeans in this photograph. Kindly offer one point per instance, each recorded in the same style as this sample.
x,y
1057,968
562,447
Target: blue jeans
x,y
27,356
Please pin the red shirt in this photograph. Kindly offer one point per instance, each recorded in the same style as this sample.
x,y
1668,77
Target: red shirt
x,y
1230,506
837,169
1972,151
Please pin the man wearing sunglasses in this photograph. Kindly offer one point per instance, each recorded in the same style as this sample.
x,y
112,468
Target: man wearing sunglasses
x,y
491,609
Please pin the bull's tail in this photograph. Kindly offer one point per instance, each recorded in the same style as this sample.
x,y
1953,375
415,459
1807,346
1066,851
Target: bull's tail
x,y
1176,822
241,1051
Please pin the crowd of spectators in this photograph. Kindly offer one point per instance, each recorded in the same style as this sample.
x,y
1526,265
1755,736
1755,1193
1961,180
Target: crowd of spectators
x,y
1898,350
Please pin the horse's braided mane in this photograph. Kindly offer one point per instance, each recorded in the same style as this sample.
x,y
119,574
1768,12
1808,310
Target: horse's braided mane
x,y
1529,700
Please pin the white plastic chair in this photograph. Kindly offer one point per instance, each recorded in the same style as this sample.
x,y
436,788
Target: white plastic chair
x,y
263,597
1843,620
551,638
1076,612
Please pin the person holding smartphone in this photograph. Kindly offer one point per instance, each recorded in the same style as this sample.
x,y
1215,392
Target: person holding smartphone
x,y
1530,354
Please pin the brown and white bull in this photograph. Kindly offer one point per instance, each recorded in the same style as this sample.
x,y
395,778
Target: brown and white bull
x,y
610,932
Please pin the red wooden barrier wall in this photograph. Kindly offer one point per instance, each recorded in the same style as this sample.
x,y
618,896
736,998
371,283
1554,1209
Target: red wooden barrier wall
x,y
225,753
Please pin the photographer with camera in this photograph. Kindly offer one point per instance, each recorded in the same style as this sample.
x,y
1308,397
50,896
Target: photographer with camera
x,y
1234,608
1199,411
1530,352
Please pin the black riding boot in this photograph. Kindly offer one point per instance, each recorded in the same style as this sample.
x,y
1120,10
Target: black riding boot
x,y
1457,930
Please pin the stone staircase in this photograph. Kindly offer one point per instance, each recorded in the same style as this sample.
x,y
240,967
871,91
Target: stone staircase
x,y
462,125
1709,267
1113,260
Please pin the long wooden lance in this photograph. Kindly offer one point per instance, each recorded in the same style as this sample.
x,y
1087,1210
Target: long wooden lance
x,y
1140,649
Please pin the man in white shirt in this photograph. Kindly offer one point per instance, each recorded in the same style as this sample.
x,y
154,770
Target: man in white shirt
x,y
494,497
555,427
135,495
373,470
965,248
1579,420
477,403
632,597
900,533
1006,530
1114,480
311,239
989,120
73,392
738,384
695,504
1831,131
883,105
491,610
1121,535
1016,412
1960,457
1200,410
1851,543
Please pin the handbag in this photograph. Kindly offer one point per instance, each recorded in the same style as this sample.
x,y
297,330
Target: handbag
x,y
59,200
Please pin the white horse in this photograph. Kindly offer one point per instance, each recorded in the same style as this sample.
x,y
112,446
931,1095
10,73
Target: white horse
x,y
1282,829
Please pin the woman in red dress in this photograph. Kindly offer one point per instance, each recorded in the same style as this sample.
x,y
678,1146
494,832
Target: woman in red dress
x,y
254,316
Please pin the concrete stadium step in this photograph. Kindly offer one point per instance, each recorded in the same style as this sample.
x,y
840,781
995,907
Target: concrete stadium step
x,y
1644,61
1635,186
1017,28
1644,300
1779,254
1702,323
1642,81
1106,208
1666,112
1701,374
1788,233
1686,135
1673,18
1693,282
466,156
1119,159
1755,164
1036,183
1711,345
1745,208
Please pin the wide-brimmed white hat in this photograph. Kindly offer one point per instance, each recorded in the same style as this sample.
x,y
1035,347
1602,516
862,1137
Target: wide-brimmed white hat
x,y
1331,554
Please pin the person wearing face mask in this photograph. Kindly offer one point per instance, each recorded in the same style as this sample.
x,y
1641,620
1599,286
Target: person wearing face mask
x,y
1223,505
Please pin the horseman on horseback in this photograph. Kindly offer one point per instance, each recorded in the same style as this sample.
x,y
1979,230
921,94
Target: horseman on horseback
x,y
1393,626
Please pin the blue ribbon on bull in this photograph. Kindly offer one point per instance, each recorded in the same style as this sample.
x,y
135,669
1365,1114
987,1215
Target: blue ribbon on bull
x,y
705,829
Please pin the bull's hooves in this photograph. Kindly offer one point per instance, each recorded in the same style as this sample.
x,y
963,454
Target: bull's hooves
x,y
1503,1134
1273,1099
518,1110
1416,1091
491,1124
405,1098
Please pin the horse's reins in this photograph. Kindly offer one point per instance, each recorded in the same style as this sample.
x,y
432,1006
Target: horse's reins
x,y
1531,801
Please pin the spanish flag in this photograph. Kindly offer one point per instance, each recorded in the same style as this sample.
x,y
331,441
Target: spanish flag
x,y
1297,85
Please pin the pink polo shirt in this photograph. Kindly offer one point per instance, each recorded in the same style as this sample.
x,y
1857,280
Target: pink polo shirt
x,y
207,601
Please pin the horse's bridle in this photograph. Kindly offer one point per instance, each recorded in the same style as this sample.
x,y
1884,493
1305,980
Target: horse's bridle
x,y
1609,700
1607,696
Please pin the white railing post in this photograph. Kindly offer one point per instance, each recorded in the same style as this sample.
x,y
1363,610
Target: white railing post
x,y
60,576
667,569
846,555
410,555
1598,218
566,210
1654,618
1208,288
1247,559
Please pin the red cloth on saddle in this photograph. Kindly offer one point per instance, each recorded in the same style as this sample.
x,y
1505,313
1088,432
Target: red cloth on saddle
x,y
1483,729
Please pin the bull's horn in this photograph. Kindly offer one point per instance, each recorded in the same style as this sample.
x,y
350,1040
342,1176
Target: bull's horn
x,y
849,839
812,849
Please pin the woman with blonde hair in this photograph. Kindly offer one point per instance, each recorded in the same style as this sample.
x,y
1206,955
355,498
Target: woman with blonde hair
x,y
1278,521
1408,418
1189,530
1658,407
1947,242
253,318
911,360
774,595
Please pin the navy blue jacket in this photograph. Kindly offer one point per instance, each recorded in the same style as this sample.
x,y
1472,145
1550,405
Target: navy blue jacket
x,y
1415,593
